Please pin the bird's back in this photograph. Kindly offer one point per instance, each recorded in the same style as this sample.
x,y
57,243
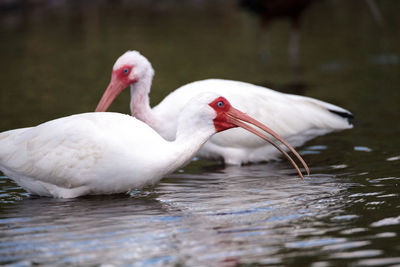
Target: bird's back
x,y
295,118
285,113
75,151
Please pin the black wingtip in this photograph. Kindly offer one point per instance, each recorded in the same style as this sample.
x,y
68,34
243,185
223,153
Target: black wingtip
x,y
345,115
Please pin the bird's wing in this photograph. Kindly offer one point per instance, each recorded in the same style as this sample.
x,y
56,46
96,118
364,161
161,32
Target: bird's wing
x,y
65,151
286,114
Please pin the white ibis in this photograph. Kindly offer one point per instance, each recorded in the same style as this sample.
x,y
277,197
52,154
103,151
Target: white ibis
x,y
105,153
295,118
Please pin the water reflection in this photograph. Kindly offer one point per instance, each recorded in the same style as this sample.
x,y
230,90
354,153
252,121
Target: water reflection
x,y
206,215
269,11
44,230
240,215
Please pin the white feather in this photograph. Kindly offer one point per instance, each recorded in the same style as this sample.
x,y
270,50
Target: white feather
x,y
100,153
296,118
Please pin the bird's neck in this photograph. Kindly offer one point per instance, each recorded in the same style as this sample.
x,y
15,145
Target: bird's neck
x,y
188,141
140,102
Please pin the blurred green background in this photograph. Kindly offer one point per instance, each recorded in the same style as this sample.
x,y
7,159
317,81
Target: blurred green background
x,y
57,55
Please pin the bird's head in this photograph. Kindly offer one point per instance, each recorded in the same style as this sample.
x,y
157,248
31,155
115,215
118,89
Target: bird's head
x,y
130,68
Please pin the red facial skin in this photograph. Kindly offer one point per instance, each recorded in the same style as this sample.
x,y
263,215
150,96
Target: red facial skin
x,y
221,107
122,74
119,81
229,117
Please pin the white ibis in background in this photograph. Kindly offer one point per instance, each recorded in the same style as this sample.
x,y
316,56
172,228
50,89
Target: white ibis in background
x,y
105,153
295,118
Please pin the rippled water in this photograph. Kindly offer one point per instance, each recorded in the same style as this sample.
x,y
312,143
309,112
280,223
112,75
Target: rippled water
x,y
220,216
56,62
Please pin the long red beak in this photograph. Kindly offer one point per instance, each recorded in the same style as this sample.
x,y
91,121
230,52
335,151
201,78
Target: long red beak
x,y
238,118
113,90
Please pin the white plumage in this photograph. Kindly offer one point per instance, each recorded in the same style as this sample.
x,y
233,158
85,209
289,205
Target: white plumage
x,y
295,118
90,153
105,153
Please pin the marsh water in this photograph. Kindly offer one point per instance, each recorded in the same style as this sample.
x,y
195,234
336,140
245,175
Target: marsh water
x,y
56,58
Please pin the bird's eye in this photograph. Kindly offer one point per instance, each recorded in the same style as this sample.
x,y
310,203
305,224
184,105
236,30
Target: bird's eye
x,y
220,104
125,71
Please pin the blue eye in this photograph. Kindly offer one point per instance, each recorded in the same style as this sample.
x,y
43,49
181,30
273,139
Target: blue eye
x,y
126,70
220,104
